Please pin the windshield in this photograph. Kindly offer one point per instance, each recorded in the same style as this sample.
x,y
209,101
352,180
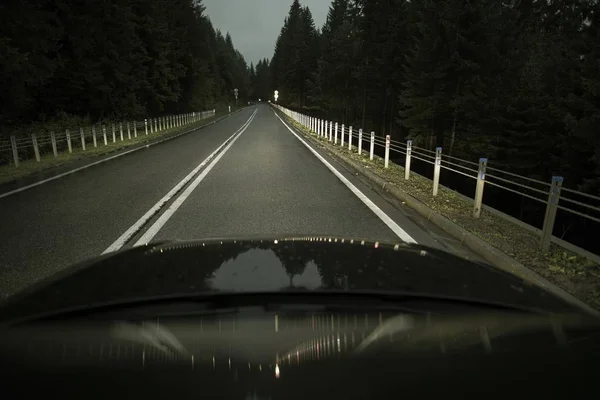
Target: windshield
x,y
454,143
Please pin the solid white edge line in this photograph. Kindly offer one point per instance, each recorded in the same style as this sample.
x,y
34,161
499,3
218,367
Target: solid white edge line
x,y
401,233
164,218
124,238
24,188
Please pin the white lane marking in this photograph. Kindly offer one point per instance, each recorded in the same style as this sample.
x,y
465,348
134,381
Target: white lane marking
x,y
22,189
401,233
120,242
162,220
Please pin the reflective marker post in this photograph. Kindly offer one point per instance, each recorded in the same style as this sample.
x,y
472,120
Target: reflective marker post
x,y
350,139
436,170
551,209
342,138
15,151
336,133
387,151
408,155
53,140
36,149
479,188
81,134
69,141
372,149
360,135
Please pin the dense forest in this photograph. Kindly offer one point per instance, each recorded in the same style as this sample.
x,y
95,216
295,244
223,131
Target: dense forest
x,y
517,81
66,59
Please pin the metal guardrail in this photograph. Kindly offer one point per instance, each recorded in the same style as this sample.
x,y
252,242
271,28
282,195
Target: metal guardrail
x,y
548,193
40,145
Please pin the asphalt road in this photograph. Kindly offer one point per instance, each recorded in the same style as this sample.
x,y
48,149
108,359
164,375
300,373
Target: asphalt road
x,y
264,181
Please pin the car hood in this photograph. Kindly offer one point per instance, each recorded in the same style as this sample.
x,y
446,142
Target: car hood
x,y
276,264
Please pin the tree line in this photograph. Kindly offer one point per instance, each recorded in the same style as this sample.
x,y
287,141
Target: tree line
x,y
514,80
113,59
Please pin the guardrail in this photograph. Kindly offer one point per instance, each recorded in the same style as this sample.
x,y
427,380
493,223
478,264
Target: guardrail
x,y
548,193
17,149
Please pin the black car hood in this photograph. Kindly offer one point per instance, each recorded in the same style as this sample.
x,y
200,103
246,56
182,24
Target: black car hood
x,y
264,265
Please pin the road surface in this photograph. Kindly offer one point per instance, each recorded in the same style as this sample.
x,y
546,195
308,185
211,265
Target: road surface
x,y
248,174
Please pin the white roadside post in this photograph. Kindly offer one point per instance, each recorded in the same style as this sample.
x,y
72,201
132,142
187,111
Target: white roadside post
x,y
69,141
146,125
479,187
151,125
342,138
330,131
551,209
360,134
408,155
36,149
81,134
321,124
15,151
128,131
104,135
53,140
372,149
387,151
336,134
436,170
134,128
350,139
114,135
160,123
121,130
94,140
155,125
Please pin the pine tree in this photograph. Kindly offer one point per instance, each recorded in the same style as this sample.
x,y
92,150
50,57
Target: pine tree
x,y
295,56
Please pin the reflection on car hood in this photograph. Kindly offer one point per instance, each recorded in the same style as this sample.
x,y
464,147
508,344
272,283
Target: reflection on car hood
x,y
260,265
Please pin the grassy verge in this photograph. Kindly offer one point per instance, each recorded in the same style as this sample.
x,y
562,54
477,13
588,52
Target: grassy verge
x,y
10,173
574,274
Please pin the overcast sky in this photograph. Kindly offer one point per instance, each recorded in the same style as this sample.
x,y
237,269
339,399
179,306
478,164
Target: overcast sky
x,y
255,24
